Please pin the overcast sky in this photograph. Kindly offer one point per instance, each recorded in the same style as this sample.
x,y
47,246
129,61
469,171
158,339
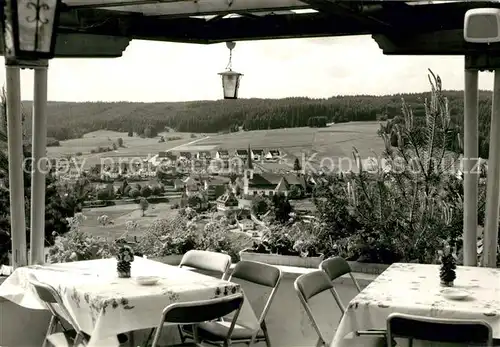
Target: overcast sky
x,y
157,71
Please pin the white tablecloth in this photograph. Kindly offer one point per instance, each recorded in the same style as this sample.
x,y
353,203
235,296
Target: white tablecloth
x,y
104,305
415,289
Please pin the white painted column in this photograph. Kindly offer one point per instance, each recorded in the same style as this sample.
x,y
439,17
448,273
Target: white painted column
x,y
493,188
16,181
39,166
470,168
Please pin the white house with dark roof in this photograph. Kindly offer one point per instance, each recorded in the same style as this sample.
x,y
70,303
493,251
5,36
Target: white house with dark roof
x,y
185,155
264,183
227,202
204,155
191,185
273,155
257,154
222,154
241,153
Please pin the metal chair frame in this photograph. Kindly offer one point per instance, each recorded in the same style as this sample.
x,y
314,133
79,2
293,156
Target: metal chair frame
x,y
194,321
324,266
326,285
186,261
50,297
262,323
460,323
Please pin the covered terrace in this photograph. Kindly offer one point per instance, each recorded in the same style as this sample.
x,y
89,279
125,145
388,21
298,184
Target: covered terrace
x,y
104,28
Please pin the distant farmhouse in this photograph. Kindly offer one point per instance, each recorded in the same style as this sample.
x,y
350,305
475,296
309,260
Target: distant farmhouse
x,y
257,154
204,155
185,155
269,184
222,154
273,155
242,154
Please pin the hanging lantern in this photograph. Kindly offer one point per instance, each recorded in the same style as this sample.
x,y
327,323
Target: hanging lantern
x,y
230,84
29,29
230,78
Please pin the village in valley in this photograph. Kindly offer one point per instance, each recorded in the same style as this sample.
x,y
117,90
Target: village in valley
x,y
236,183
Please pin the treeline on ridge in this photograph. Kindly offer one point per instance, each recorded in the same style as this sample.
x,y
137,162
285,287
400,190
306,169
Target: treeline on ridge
x,y
68,120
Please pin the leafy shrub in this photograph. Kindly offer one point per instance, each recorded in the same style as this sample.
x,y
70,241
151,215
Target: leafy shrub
x,y
411,203
300,239
146,192
105,194
52,142
76,245
157,190
134,193
104,220
177,235
260,205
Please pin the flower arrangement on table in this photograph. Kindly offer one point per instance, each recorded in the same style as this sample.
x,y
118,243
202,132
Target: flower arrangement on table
x,y
124,256
448,265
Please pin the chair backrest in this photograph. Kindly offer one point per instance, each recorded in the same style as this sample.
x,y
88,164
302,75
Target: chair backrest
x,y
195,312
53,301
439,329
206,260
335,267
309,285
262,274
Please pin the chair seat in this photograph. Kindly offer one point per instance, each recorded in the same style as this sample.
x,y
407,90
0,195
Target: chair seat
x,y
215,331
67,337
363,341
62,339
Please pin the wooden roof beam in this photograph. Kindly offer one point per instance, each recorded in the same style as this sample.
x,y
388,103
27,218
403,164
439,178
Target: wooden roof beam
x,y
354,10
283,26
187,8
199,30
446,42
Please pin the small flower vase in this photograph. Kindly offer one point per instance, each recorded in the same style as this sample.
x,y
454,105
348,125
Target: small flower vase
x,y
448,265
123,269
125,257
446,284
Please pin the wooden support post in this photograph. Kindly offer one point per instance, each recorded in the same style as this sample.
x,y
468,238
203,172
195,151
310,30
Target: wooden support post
x,y
470,161
39,165
493,187
16,181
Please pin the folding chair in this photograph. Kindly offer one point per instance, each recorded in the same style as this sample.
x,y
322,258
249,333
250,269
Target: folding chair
x,y
202,260
208,261
256,273
459,331
313,283
68,337
334,268
196,312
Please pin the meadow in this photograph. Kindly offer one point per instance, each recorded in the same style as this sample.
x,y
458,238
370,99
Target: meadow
x,y
311,144
335,142
120,215
132,146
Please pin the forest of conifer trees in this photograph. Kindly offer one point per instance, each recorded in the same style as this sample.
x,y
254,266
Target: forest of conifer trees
x,y
71,120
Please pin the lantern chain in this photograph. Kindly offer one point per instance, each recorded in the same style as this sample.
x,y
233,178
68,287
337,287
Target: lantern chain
x,y
230,63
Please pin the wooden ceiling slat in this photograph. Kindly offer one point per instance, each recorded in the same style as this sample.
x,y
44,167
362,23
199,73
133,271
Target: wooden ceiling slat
x,y
189,7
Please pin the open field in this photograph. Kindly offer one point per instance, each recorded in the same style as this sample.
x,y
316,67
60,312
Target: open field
x,y
133,146
335,142
120,215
